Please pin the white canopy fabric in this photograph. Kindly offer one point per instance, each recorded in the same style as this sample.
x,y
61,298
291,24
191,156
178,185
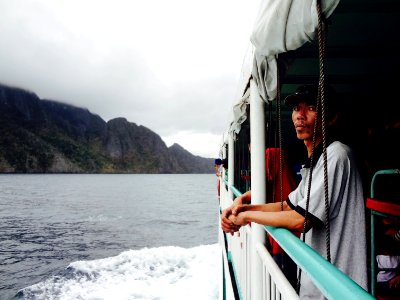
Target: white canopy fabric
x,y
239,113
264,74
281,26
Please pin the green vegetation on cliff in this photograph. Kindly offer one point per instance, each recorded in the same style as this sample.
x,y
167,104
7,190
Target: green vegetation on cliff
x,y
44,136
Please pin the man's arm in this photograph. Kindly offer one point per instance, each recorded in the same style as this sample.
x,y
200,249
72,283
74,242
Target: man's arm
x,y
268,207
289,219
243,199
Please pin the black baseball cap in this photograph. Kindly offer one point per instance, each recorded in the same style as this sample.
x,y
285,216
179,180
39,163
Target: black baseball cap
x,y
309,93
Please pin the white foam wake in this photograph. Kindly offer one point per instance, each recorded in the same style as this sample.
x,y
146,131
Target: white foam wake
x,y
150,273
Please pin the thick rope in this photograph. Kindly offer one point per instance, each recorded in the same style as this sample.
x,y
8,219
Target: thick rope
x,y
280,138
309,188
320,109
322,51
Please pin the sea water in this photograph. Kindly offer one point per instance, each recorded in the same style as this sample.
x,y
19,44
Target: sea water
x,y
109,237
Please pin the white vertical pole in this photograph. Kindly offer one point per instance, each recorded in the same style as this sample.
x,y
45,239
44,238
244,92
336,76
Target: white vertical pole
x,y
258,193
231,164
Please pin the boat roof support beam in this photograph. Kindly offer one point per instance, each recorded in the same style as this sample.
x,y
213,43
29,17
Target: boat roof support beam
x,y
258,191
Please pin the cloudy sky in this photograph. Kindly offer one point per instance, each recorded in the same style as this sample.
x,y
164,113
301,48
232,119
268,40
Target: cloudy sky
x,y
170,65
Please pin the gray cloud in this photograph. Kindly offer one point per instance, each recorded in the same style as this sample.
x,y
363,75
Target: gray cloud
x,y
176,83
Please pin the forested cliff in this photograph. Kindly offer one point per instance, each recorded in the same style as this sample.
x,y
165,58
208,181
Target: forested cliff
x,y
45,136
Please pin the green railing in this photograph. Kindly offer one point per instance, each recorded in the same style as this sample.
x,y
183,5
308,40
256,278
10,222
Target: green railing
x,y
380,173
235,191
374,213
332,282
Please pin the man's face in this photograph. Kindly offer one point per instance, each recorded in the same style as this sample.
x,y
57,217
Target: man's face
x,y
303,117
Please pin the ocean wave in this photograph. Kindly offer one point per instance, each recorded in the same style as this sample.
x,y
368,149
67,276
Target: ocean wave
x,y
149,273
102,218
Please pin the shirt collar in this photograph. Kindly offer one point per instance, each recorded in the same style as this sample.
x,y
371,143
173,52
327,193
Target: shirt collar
x,y
317,153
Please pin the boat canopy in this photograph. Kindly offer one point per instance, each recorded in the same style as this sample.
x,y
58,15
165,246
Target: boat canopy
x,y
282,26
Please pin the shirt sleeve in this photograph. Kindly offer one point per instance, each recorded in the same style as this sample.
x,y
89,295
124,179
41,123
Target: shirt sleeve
x,y
296,194
337,180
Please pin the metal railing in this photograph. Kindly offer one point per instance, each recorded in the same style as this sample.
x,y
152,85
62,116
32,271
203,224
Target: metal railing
x,y
275,285
332,282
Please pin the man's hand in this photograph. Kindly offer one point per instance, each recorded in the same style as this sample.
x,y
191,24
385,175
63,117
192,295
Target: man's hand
x,y
238,220
226,224
236,210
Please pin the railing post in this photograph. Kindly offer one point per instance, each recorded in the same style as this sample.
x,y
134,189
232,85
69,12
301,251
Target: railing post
x,y
258,193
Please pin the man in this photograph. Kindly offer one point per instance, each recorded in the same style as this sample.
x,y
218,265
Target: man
x,y
218,173
346,214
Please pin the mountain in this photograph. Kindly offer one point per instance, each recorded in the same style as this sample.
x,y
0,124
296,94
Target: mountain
x,y
46,136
